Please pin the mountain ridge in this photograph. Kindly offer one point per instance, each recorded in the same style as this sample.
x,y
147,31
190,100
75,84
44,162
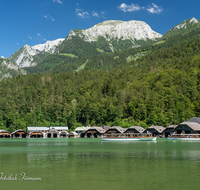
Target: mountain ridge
x,y
24,57
107,37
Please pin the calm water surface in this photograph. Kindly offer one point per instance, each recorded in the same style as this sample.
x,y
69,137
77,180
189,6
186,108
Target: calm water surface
x,y
90,164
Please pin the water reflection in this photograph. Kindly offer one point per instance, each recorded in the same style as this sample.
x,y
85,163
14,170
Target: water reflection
x,y
46,159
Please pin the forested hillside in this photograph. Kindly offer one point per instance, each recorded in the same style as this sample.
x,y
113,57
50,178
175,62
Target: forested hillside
x,y
112,60
160,88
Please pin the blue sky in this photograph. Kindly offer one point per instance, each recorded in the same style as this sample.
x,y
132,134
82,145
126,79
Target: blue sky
x,y
36,21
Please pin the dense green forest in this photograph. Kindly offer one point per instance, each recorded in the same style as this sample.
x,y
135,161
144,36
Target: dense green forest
x,y
160,88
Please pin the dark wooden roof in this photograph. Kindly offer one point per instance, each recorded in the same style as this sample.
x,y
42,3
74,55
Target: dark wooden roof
x,y
99,129
105,127
193,125
170,127
137,128
120,129
194,119
160,129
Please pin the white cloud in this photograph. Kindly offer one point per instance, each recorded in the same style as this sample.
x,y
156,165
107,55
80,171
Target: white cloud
x,y
49,17
57,1
81,13
130,8
85,14
38,34
95,14
154,8
30,37
17,43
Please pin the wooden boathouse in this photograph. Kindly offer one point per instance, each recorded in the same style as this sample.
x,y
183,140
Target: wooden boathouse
x,y
63,134
4,134
73,134
58,132
42,130
94,132
169,130
19,134
187,128
155,130
52,133
36,134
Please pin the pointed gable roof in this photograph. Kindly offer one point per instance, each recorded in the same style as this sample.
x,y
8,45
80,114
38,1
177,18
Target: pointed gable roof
x,y
193,125
137,128
160,129
194,119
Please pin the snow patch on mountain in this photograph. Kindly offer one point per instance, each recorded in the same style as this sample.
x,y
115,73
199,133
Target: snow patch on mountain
x,y
24,56
10,65
112,29
193,20
185,23
49,46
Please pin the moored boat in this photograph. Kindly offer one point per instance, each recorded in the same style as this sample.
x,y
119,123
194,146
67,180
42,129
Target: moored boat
x,y
128,137
193,137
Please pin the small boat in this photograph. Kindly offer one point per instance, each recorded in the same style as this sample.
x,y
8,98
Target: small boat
x,y
128,137
187,137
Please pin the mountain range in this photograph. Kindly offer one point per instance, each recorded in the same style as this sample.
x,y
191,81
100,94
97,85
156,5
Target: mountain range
x,y
95,78
79,46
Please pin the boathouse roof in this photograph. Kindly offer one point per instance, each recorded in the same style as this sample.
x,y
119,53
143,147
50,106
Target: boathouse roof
x,y
3,131
105,127
99,129
120,129
59,128
193,125
82,128
73,133
137,128
37,128
63,132
52,130
170,128
160,129
194,119
19,130
37,131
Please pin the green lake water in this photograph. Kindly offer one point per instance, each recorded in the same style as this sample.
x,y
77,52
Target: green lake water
x,y
90,164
